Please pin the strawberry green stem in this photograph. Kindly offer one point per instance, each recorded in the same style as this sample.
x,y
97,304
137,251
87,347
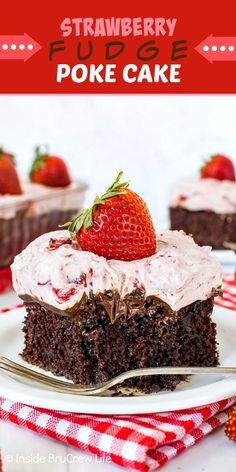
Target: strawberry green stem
x,y
86,217
2,153
39,159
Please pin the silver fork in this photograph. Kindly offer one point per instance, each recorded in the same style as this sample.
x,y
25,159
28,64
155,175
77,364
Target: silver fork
x,y
61,386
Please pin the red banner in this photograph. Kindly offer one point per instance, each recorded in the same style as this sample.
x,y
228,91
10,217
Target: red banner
x,y
122,47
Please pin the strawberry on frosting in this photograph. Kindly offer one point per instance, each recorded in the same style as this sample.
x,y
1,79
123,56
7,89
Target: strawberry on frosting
x,y
9,180
49,170
117,226
218,167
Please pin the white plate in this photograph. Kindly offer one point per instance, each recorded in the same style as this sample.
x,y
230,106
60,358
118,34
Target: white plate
x,y
201,389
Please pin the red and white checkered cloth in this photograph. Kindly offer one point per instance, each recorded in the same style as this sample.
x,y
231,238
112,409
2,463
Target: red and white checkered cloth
x,y
228,299
142,442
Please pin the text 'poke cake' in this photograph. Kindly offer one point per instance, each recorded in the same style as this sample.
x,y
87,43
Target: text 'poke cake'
x,y
109,295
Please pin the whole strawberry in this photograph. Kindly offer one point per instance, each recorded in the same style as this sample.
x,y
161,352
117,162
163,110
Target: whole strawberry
x,y
230,427
49,170
218,167
9,180
117,226
7,155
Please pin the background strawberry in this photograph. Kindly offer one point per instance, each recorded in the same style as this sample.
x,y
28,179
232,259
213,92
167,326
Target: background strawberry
x,y
117,226
7,155
49,170
218,167
230,427
9,180
5,279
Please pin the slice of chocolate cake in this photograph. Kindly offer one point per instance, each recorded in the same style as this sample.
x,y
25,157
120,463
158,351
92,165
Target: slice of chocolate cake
x,y
36,204
38,210
90,318
206,207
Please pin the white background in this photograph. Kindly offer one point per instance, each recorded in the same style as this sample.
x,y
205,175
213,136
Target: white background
x,y
156,140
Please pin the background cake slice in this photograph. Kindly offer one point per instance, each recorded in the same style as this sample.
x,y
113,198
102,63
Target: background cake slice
x,y
31,207
206,207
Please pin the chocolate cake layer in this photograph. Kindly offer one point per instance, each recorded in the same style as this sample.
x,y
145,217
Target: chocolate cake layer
x,y
94,344
16,233
207,227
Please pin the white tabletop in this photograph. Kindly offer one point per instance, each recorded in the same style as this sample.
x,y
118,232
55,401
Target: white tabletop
x,y
23,450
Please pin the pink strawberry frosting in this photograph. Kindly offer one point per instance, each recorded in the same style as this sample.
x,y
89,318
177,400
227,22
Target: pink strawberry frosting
x,y
39,199
54,270
205,194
